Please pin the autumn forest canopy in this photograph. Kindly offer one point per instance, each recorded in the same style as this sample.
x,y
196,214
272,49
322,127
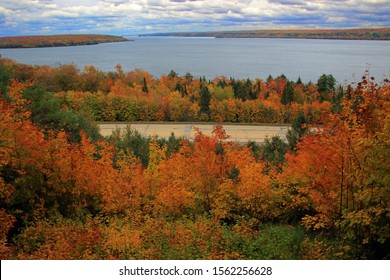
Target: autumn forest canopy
x,y
333,34
66,192
43,41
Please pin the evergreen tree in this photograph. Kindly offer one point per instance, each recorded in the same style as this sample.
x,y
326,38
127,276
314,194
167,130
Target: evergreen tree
x,y
204,102
4,79
172,75
189,77
243,90
145,86
255,93
338,99
240,91
282,77
222,83
326,83
184,91
299,128
273,151
178,87
249,89
288,93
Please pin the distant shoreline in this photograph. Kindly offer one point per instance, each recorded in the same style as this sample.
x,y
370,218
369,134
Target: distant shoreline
x,y
47,41
335,34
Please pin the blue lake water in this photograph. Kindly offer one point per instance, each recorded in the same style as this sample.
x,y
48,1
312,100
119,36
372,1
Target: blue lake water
x,y
346,60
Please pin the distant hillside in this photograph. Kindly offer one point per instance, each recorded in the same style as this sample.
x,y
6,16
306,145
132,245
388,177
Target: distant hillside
x,y
57,40
340,34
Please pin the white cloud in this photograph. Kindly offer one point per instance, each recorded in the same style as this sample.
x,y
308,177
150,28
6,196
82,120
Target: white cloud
x,y
131,16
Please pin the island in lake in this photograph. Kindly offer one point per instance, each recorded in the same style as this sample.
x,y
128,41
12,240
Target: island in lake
x,y
341,34
57,40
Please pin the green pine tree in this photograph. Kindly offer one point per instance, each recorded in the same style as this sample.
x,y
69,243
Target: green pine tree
x,y
288,93
204,102
145,86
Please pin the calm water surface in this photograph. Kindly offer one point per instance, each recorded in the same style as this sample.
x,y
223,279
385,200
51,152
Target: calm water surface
x,y
240,58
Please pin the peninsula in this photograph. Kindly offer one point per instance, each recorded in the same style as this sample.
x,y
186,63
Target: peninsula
x,y
57,40
340,34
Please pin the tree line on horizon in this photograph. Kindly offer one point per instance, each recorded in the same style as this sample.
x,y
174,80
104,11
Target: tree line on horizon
x,y
65,40
68,193
329,34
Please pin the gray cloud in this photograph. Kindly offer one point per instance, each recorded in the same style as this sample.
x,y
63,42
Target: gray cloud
x,y
288,2
134,16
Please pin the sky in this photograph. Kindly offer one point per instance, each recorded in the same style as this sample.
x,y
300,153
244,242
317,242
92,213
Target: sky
x,y
133,17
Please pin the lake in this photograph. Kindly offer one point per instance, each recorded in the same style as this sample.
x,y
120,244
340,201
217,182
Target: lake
x,y
346,60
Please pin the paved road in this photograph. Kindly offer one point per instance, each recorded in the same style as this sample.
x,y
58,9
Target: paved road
x,y
238,132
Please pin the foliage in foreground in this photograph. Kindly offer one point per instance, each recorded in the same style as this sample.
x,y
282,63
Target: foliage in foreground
x,y
210,199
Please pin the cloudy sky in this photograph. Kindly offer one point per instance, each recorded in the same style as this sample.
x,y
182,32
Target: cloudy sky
x,y
131,17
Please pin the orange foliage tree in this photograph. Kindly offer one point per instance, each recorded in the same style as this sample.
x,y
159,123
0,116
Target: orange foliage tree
x,y
341,172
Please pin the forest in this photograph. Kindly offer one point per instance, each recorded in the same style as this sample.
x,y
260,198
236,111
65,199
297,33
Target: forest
x,y
44,41
333,34
66,192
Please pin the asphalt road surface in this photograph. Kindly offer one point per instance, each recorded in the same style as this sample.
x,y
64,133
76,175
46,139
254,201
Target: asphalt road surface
x,y
238,132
